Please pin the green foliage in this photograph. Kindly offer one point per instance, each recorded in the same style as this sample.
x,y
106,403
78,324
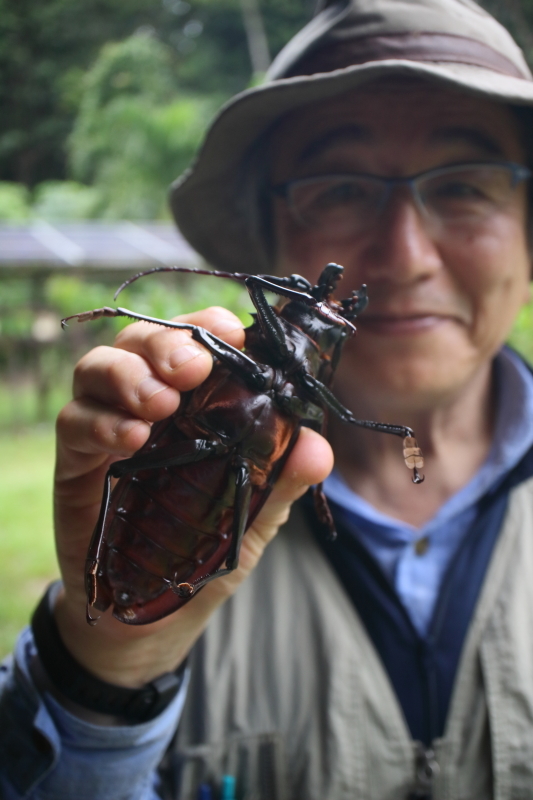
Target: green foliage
x,y
15,307
36,373
132,149
521,337
66,201
138,66
45,48
27,555
517,17
14,202
162,296
133,135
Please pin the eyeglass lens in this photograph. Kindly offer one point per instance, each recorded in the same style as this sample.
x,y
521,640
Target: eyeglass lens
x,y
345,204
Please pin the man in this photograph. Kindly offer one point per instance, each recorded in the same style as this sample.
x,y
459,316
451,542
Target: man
x,y
396,662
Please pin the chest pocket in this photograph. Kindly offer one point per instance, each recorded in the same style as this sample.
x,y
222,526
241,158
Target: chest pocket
x,y
257,763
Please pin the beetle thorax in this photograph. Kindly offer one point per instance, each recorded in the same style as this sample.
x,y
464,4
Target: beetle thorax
x,y
325,333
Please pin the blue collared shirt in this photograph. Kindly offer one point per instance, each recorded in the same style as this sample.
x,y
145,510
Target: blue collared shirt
x,y
46,753
417,578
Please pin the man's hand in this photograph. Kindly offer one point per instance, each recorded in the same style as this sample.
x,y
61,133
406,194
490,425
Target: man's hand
x,y
118,392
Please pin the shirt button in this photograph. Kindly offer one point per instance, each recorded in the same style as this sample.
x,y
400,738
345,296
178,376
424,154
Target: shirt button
x,y
421,546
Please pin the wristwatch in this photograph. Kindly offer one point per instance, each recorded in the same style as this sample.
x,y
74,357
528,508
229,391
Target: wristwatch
x,y
85,689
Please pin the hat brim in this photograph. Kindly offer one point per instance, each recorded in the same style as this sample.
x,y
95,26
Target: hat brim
x,y
204,200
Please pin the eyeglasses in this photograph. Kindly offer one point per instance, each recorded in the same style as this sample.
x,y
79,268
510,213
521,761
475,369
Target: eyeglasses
x,y
459,195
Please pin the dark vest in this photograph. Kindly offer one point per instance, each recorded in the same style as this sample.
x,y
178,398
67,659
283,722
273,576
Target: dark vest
x,y
422,669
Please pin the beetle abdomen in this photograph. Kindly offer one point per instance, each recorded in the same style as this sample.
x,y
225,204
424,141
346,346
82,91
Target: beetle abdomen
x,y
174,524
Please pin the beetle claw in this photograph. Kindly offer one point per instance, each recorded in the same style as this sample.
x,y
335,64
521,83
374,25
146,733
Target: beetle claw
x,y
418,477
183,589
413,458
91,620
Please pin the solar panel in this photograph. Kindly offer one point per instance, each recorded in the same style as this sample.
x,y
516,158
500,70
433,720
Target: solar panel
x,y
94,243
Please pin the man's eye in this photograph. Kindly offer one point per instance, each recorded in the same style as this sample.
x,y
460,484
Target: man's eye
x,y
341,194
458,190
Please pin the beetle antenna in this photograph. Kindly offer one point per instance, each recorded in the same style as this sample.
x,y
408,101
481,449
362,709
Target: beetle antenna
x,y
237,276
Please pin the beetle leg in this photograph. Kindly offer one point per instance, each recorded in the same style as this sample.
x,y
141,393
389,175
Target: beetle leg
x,y
282,287
107,311
323,511
289,282
323,396
257,376
243,496
235,359
92,563
268,319
173,455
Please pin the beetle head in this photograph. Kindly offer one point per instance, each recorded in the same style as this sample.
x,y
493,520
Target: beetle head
x,y
339,312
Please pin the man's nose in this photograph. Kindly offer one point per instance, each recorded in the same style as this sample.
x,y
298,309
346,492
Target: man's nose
x,y
404,246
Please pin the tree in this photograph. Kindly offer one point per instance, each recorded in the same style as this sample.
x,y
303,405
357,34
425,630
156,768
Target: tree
x,y
45,49
135,131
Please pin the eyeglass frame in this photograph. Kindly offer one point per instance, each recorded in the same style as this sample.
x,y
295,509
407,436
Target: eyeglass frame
x,y
519,173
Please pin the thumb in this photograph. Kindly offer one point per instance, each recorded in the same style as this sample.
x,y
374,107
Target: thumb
x,y
310,462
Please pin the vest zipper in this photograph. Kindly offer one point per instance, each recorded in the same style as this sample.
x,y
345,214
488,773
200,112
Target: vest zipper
x,y
426,769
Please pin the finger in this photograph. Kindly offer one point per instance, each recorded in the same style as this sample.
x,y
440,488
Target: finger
x,y
114,377
89,434
89,437
146,339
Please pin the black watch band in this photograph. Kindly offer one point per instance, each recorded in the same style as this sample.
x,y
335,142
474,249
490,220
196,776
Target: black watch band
x,y
76,683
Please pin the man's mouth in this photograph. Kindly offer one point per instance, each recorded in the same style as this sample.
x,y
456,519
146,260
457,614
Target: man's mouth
x,y
398,324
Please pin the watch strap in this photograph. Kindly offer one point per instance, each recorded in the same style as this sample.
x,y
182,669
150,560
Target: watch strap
x,y
79,685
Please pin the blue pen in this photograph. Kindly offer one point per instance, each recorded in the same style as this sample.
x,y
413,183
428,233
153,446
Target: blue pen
x,y
228,788
204,792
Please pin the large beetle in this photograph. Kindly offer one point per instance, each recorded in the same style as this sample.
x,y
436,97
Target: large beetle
x,y
182,504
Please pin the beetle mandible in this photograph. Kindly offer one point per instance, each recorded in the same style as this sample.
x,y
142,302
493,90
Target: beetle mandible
x,y
182,504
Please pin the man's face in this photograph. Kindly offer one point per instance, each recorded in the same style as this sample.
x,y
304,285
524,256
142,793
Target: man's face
x,y
442,298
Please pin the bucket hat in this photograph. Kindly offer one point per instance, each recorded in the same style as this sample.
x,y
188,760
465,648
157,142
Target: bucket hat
x,y
455,43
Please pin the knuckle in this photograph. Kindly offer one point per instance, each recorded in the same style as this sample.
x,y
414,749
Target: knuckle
x,y
130,333
166,341
88,369
65,418
123,378
101,432
220,311
87,361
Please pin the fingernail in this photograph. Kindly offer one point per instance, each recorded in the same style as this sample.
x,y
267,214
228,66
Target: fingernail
x,y
148,387
225,326
183,354
124,426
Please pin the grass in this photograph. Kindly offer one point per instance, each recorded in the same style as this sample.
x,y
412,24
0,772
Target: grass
x,y
19,405
27,555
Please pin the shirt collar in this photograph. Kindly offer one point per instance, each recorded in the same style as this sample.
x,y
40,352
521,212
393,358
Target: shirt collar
x,y
513,437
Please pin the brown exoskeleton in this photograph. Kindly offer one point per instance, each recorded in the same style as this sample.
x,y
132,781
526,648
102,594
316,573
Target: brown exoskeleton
x,y
182,504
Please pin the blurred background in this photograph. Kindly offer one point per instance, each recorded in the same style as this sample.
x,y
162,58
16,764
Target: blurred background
x,y
103,104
